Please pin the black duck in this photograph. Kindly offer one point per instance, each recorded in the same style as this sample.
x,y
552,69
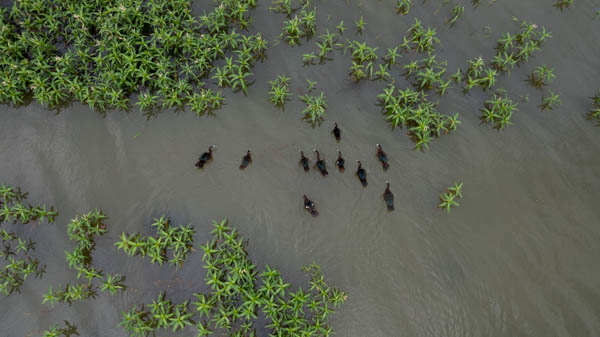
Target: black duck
x,y
361,173
205,157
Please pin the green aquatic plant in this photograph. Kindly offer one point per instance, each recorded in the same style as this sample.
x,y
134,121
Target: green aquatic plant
x,y
550,102
455,13
177,240
55,330
421,39
104,53
449,198
310,85
239,297
594,112
84,229
314,112
541,76
363,58
403,6
341,28
498,110
410,108
360,25
562,4
514,50
19,261
280,92
391,56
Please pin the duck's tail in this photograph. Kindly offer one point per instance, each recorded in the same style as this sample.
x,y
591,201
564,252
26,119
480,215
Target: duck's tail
x,y
200,163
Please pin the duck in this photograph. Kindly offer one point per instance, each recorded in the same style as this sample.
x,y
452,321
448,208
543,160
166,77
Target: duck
x,y
361,173
340,162
388,196
304,161
320,164
205,157
246,160
309,205
382,156
336,132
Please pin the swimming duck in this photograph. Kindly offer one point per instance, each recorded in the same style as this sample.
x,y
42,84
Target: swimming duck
x,y
246,160
361,173
337,132
340,162
309,205
304,161
320,164
382,156
206,156
388,196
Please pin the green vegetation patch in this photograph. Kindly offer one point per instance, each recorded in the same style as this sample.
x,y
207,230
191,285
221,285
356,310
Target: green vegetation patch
x,y
178,240
101,53
17,252
240,296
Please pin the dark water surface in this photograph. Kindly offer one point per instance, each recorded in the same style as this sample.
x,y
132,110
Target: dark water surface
x,y
519,257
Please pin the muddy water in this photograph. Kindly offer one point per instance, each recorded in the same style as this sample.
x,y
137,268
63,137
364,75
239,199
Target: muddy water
x,y
517,258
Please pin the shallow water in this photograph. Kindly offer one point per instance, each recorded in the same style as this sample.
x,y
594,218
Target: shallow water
x,y
517,258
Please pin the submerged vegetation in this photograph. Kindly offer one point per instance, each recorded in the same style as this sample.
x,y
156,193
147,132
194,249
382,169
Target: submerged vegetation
x,y
17,252
178,240
156,50
239,294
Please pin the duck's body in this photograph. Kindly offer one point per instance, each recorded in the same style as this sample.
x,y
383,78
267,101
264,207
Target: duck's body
x,y
246,160
337,133
320,164
388,196
304,162
309,205
340,162
361,173
205,157
383,158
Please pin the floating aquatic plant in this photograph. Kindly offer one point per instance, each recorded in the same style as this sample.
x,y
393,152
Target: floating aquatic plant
x,y
177,240
403,6
449,198
103,53
314,112
238,294
360,25
550,101
455,13
412,109
562,4
498,110
513,50
17,252
280,92
84,229
594,113
541,76
55,330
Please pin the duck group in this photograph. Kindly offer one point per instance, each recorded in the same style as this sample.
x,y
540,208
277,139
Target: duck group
x,y
321,166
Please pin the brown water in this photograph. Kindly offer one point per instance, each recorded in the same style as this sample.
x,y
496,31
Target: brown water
x,y
519,257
